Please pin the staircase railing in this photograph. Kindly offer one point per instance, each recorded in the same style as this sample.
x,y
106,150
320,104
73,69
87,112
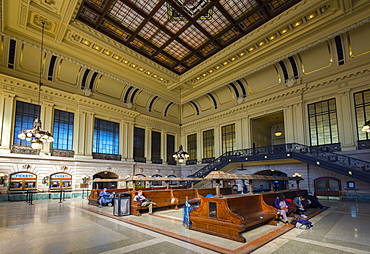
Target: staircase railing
x,y
316,155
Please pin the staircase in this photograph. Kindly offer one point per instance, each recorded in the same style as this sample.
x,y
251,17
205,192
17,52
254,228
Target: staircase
x,y
318,156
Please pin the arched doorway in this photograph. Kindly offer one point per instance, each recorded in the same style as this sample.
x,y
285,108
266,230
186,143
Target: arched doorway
x,y
105,175
327,186
263,185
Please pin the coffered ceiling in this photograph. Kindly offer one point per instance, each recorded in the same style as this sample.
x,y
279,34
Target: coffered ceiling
x,y
179,34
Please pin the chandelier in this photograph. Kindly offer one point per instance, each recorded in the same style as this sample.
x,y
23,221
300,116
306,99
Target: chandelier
x,y
37,135
180,156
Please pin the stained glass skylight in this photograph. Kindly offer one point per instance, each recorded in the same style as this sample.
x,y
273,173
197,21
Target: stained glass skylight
x,y
178,34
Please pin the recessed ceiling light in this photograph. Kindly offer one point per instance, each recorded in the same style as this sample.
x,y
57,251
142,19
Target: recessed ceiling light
x,y
224,63
217,67
311,16
155,76
161,79
298,23
261,43
251,49
233,59
125,61
141,69
204,74
86,42
272,37
198,78
96,47
107,52
284,31
210,71
148,72
241,54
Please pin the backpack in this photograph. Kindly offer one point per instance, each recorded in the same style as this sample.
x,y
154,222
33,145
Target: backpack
x,y
303,224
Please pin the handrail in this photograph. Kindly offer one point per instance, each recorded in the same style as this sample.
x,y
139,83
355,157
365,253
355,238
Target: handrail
x,y
320,153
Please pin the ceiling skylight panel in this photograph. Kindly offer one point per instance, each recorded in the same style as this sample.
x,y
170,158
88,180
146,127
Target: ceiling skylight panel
x,y
177,50
125,15
161,16
154,34
216,24
146,5
193,37
237,8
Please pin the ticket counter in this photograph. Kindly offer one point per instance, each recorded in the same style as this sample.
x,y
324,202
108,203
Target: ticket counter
x,y
60,181
22,181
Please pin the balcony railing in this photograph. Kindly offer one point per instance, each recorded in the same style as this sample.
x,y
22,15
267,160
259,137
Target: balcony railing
x,y
309,154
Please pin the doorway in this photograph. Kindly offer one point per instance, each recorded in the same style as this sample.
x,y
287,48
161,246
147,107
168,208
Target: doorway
x,y
105,175
327,186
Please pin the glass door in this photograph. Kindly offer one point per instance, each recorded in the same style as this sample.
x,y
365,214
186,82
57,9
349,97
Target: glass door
x,y
327,186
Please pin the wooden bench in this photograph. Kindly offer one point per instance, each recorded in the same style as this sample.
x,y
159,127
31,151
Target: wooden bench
x,y
162,198
94,195
269,199
204,192
228,217
181,196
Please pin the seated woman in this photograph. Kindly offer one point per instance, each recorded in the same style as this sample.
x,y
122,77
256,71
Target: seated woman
x,y
283,206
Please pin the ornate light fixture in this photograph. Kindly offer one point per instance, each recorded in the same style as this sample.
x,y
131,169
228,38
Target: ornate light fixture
x,y
278,132
180,156
366,127
37,135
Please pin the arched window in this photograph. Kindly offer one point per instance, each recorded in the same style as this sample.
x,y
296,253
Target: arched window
x,y
22,181
172,182
156,183
140,184
61,180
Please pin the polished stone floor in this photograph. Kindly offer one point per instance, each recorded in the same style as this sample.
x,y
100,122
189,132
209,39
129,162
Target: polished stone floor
x,y
48,226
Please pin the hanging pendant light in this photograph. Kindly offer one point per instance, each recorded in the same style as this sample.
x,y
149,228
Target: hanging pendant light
x,y
180,156
37,135
278,132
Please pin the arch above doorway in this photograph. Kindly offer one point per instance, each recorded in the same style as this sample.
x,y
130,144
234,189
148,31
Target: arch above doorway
x,y
105,175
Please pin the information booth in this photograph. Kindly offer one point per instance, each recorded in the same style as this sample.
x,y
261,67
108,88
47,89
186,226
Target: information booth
x,y
60,181
22,181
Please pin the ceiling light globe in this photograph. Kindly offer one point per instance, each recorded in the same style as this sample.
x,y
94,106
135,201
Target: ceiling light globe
x,y
36,145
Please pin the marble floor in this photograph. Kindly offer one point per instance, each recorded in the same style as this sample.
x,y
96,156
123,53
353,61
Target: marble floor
x,y
48,226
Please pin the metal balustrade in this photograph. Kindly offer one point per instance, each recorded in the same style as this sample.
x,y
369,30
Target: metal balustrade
x,y
321,156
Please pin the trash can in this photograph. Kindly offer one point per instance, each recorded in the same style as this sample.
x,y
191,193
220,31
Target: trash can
x,y
122,204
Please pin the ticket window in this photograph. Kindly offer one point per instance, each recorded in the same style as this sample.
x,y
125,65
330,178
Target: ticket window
x,y
61,180
23,181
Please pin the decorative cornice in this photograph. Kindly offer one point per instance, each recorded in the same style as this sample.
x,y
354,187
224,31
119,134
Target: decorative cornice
x,y
331,36
277,95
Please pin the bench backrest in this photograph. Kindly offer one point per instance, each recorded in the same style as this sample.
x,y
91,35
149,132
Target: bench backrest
x,y
185,194
156,196
246,205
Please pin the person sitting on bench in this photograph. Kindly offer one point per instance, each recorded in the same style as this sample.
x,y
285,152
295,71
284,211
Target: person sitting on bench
x,y
283,206
104,197
314,201
145,202
301,204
